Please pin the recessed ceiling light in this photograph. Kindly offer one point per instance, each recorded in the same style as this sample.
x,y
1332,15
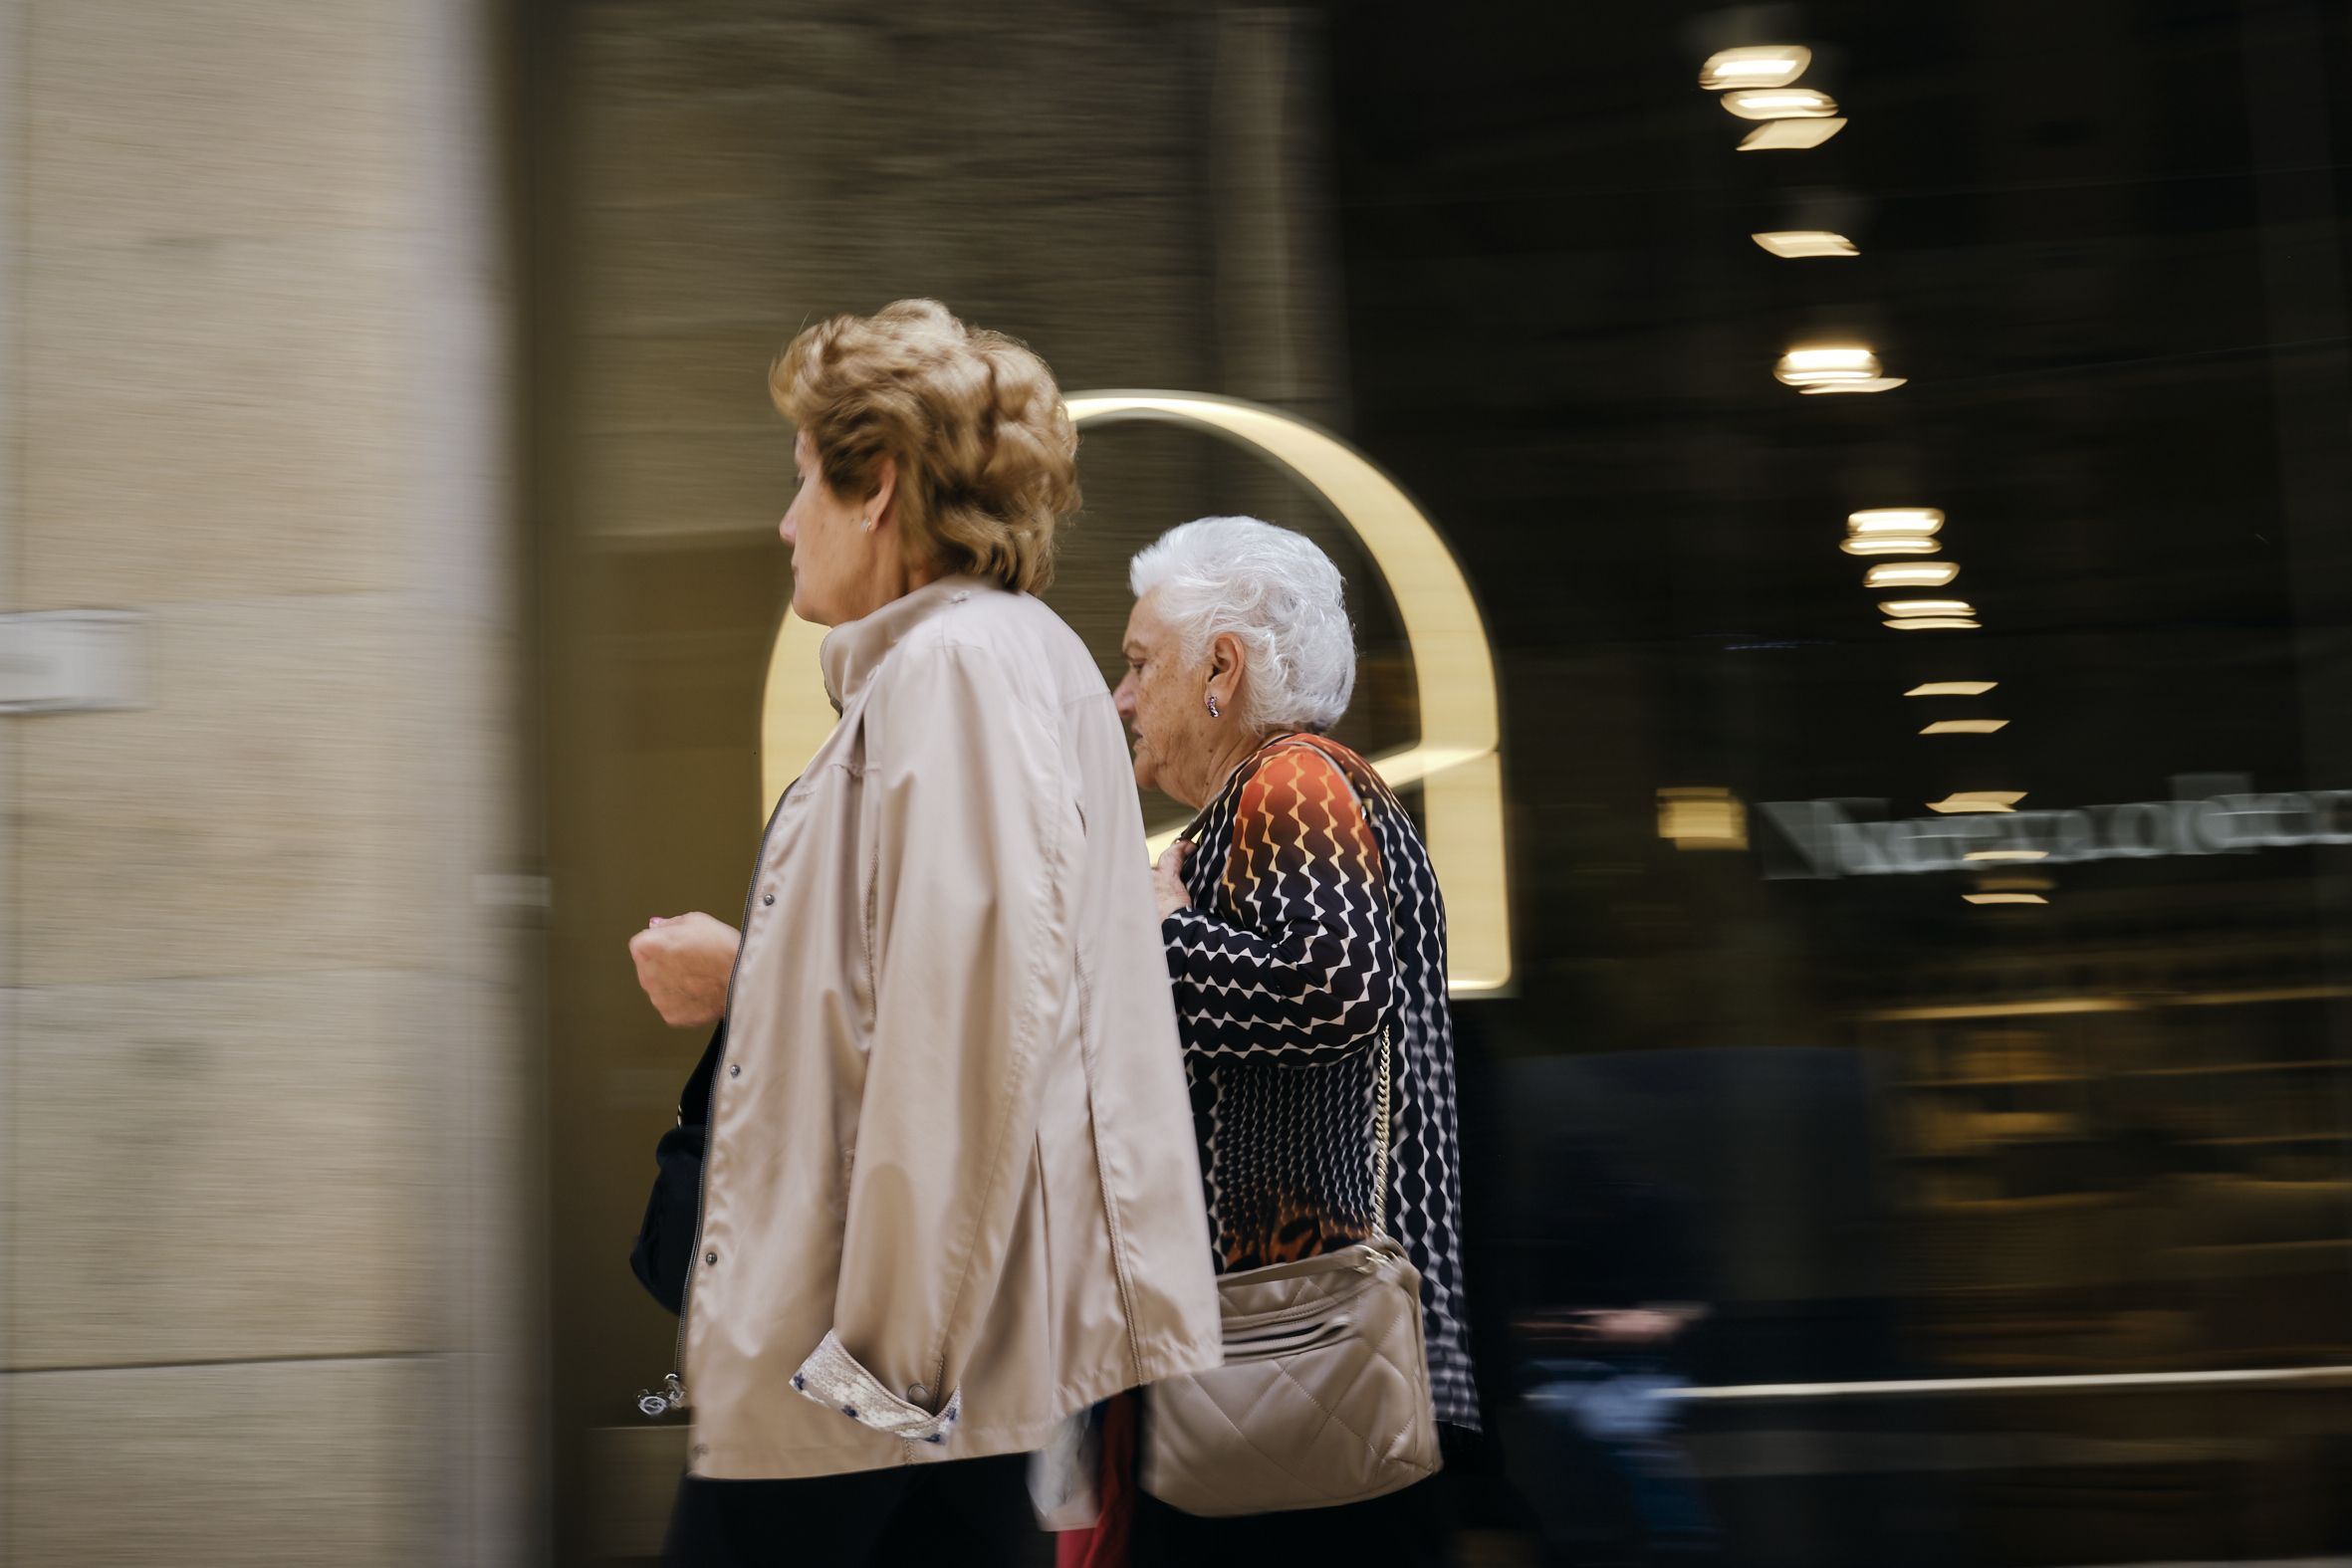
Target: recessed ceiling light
x,y
1952,689
2005,898
1789,136
1877,383
1934,624
1965,727
1759,65
1799,244
1822,364
1900,608
2007,854
1889,544
1895,520
1909,575
1781,103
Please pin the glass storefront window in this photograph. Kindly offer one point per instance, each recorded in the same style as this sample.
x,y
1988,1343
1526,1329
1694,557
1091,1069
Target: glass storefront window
x,y
1906,504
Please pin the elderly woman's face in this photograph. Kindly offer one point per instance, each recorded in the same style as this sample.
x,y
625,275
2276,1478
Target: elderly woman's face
x,y
837,557
1158,699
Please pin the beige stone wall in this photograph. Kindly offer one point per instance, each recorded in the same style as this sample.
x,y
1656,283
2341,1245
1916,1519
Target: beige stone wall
x,y
265,1193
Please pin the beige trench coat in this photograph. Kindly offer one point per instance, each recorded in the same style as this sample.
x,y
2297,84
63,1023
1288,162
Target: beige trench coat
x,y
952,1193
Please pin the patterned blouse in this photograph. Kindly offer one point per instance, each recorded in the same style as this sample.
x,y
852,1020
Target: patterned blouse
x,y
1318,925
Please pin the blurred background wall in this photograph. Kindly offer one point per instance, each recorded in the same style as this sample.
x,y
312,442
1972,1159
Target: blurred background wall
x,y
268,1071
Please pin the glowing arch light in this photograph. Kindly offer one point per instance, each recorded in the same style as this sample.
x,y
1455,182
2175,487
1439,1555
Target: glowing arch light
x,y
1458,761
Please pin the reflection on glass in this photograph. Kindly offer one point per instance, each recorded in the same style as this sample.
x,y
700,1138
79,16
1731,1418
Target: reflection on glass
x,y
1759,65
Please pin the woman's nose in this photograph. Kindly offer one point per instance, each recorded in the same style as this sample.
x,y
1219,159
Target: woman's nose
x,y
1123,699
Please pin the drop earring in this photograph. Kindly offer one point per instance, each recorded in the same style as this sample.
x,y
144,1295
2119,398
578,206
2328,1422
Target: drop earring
x,y
1213,713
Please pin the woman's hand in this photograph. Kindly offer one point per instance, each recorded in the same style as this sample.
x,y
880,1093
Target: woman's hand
x,y
1167,878
684,963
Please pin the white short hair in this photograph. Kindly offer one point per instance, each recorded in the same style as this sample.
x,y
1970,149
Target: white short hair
x,y
1274,590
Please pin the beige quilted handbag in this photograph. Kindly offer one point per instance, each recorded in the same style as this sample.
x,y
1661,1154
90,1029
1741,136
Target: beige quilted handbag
x,y
1324,1397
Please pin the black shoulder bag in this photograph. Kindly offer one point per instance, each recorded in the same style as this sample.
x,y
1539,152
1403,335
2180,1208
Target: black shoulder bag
x,y
665,1240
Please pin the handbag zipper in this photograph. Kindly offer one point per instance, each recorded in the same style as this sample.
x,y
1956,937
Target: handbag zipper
x,y
1368,1263
673,1394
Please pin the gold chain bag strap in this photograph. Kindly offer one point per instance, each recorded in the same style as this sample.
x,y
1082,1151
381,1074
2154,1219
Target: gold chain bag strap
x,y
1324,1397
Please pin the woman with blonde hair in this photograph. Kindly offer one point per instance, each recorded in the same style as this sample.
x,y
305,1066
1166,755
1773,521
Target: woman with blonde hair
x,y
950,1105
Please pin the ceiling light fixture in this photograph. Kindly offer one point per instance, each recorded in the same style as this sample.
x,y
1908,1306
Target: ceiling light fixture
x,y
1800,243
1758,65
2007,854
1895,520
1789,136
1934,624
1909,575
1877,383
1902,607
2005,898
1952,689
1889,544
1965,727
1781,103
1825,363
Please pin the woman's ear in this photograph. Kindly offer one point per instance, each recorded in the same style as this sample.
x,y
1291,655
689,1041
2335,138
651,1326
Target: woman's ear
x,y
885,491
1229,662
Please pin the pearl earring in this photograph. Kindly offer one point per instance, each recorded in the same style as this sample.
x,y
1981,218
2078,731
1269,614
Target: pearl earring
x,y
865,524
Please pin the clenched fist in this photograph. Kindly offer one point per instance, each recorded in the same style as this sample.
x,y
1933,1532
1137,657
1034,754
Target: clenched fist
x,y
684,963
1167,878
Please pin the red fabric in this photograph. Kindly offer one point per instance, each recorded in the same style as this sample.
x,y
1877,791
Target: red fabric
x,y
1105,1545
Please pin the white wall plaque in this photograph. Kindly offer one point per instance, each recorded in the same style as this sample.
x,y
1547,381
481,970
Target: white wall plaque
x,y
72,661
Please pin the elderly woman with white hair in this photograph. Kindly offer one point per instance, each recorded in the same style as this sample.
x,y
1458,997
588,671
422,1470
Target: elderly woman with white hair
x,y
1302,924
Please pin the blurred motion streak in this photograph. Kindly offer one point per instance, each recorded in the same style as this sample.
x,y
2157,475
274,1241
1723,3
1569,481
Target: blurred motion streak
x,y
1702,818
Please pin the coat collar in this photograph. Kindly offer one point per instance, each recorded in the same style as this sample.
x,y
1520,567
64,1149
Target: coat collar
x,y
853,651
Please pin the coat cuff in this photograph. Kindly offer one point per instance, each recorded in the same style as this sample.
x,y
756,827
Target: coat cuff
x,y
833,1377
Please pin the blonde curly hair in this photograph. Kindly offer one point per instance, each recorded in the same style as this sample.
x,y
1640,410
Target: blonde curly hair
x,y
987,455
